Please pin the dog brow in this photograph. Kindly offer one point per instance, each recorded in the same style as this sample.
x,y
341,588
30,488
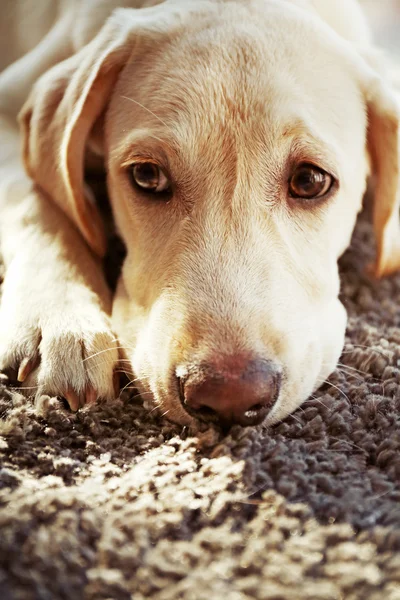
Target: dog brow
x,y
146,109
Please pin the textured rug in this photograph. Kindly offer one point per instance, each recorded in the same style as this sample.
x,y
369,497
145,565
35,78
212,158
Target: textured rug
x,y
115,503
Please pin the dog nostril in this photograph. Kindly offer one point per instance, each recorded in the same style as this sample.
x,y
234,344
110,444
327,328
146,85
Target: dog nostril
x,y
256,407
252,416
255,410
207,413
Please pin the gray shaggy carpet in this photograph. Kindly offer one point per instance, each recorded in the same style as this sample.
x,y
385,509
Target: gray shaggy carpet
x,y
115,503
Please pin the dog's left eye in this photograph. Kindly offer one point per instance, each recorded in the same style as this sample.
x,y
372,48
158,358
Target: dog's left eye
x,y
309,182
150,177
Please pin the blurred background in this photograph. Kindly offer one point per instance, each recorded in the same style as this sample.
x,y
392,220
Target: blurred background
x,y
384,17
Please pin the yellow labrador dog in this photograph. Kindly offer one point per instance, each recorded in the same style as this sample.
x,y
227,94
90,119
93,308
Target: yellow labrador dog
x,y
237,137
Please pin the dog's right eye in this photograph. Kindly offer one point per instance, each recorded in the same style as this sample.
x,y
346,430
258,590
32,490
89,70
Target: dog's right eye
x,y
149,177
309,182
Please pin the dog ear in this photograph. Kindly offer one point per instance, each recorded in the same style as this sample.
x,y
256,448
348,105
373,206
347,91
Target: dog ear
x,y
58,116
384,148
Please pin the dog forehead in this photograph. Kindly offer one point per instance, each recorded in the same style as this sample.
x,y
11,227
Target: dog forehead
x,y
224,62
228,81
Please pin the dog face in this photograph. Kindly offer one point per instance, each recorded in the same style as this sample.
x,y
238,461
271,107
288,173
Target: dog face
x,y
237,159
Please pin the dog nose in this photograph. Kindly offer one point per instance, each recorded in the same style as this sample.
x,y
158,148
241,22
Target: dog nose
x,y
231,393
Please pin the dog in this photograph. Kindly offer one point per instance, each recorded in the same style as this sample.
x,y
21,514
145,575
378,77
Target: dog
x,y
238,137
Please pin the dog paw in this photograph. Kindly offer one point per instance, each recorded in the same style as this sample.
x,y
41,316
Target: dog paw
x,y
74,356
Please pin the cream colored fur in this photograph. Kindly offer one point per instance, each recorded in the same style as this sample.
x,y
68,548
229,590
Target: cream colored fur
x,y
224,94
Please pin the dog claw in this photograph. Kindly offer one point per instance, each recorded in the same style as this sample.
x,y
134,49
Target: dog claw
x,y
91,395
72,399
25,368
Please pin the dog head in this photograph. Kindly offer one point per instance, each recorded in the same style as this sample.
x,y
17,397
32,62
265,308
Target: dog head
x,y
238,139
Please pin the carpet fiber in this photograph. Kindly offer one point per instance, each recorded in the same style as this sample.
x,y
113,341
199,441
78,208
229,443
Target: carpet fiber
x,y
115,503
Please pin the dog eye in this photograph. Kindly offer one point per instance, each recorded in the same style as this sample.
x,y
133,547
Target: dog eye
x,y
309,182
150,177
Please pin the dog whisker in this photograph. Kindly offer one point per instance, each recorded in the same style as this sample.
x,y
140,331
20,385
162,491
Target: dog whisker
x,y
147,109
339,390
353,369
20,387
354,346
131,385
347,442
118,368
296,419
128,386
349,374
135,379
340,366
315,399
111,349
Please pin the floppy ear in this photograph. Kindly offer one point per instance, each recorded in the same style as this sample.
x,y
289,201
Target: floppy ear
x,y
58,116
384,148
